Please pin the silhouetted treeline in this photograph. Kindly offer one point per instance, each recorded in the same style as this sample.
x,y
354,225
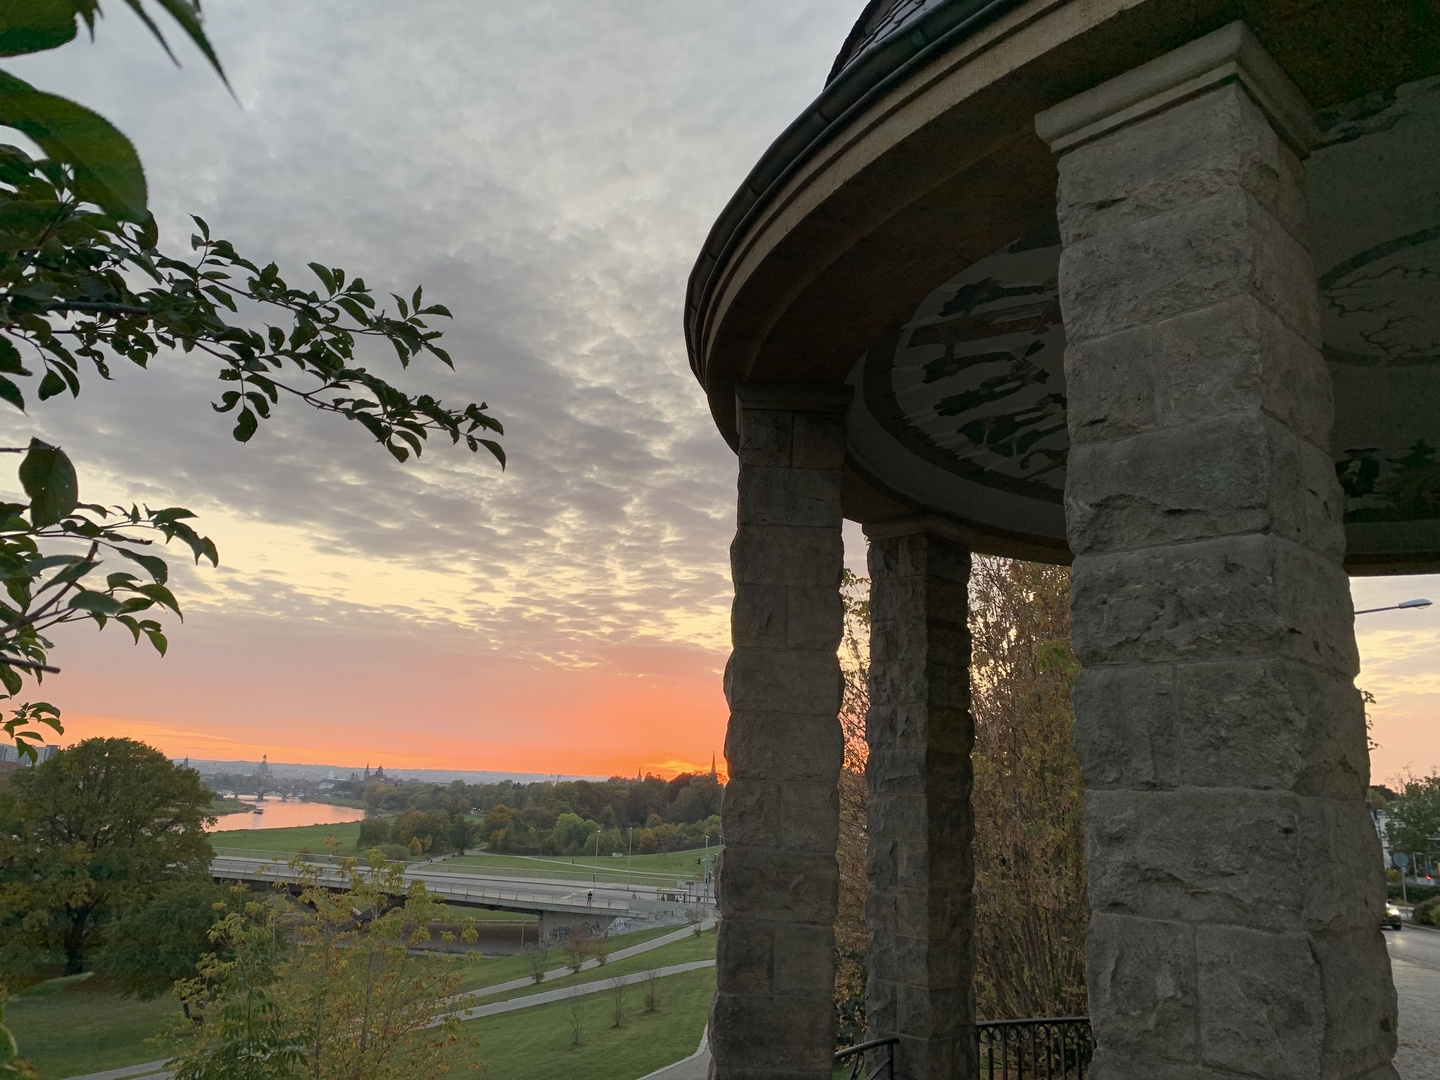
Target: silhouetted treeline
x,y
652,814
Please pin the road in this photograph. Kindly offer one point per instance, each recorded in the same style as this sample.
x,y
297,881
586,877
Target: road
x,y
1415,962
506,893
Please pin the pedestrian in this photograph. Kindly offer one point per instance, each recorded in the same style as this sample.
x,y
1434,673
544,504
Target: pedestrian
x,y
590,897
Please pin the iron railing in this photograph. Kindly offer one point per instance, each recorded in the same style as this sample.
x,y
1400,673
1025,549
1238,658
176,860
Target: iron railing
x,y
883,1056
1058,1048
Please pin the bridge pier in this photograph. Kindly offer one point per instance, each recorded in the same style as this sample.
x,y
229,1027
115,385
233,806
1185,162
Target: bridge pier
x,y
555,926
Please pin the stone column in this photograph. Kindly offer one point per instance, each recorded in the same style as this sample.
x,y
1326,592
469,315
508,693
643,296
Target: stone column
x,y
773,1015
1234,885
920,906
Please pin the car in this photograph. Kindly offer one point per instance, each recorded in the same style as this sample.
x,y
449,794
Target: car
x,y
1391,918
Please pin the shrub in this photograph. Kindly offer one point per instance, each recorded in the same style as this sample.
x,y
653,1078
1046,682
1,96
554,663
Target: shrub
x,y
1428,913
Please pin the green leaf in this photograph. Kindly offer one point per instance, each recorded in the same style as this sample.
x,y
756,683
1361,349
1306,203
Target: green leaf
x,y
326,278
11,393
154,565
51,385
187,14
245,425
10,361
107,169
30,26
48,478
96,602
157,639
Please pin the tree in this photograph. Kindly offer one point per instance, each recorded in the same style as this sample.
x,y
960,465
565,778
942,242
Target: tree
x,y
84,285
577,947
92,832
852,937
151,948
374,831
329,987
1415,815
1028,798
1030,905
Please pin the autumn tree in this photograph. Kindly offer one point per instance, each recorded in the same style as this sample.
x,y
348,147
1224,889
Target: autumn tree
x,y
331,986
95,831
1030,906
1028,798
852,937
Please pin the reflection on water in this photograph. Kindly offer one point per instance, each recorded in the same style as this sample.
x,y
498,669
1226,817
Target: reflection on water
x,y
283,815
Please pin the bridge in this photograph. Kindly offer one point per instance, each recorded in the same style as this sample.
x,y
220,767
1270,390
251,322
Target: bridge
x,y
560,905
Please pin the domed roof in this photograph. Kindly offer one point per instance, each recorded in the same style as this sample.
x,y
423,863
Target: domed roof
x,y
879,20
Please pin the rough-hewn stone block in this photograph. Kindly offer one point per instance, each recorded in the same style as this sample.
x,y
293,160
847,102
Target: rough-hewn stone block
x,y
795,886
1260,723
762,746
794,680
774,496
1262,1009
786,555
1210,855
765,437
1213,144
1234,596
1189,258
1231,356
1143,988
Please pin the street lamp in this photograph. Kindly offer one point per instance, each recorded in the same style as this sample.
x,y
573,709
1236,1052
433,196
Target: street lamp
x,y
596,868
1402,606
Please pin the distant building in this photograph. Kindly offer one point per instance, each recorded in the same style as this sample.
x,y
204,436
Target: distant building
x,y
1382,820
43,753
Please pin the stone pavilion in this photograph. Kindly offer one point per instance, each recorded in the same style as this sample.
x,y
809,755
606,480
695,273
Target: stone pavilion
x,y
1151,288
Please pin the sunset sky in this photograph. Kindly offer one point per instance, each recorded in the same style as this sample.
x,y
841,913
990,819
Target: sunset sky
x,y
548,170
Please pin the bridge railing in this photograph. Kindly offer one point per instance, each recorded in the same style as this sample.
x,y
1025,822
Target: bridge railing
x,y
280,870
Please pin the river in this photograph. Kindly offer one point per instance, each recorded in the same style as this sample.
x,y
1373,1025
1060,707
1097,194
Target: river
x,y
284,815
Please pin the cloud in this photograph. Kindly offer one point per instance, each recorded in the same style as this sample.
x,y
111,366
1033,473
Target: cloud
x,y
547,170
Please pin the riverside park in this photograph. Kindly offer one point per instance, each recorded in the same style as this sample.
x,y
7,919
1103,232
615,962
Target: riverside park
x,y
642,1008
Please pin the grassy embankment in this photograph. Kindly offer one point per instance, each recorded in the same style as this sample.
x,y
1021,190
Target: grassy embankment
x,y
663,870
84,1027
681,952
294,839
222,806
493,970
67,1028
535,1044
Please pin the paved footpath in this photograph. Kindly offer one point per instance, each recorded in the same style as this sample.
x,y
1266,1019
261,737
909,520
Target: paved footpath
x,y
561,972
1415,963
599,985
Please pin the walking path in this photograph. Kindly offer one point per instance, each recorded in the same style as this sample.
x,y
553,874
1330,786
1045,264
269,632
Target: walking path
x,y
547,996
561,972
1415,964
694,1067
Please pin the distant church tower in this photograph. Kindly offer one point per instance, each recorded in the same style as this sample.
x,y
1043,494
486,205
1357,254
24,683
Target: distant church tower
x,y
713,774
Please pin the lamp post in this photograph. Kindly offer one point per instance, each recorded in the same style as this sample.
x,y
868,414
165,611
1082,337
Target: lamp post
x,y
629,852
595,869
1404,605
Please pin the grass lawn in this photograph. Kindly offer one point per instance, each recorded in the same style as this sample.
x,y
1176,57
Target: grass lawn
x,y
682,952
644,869
535,1044
293,839
498,969
86,1028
